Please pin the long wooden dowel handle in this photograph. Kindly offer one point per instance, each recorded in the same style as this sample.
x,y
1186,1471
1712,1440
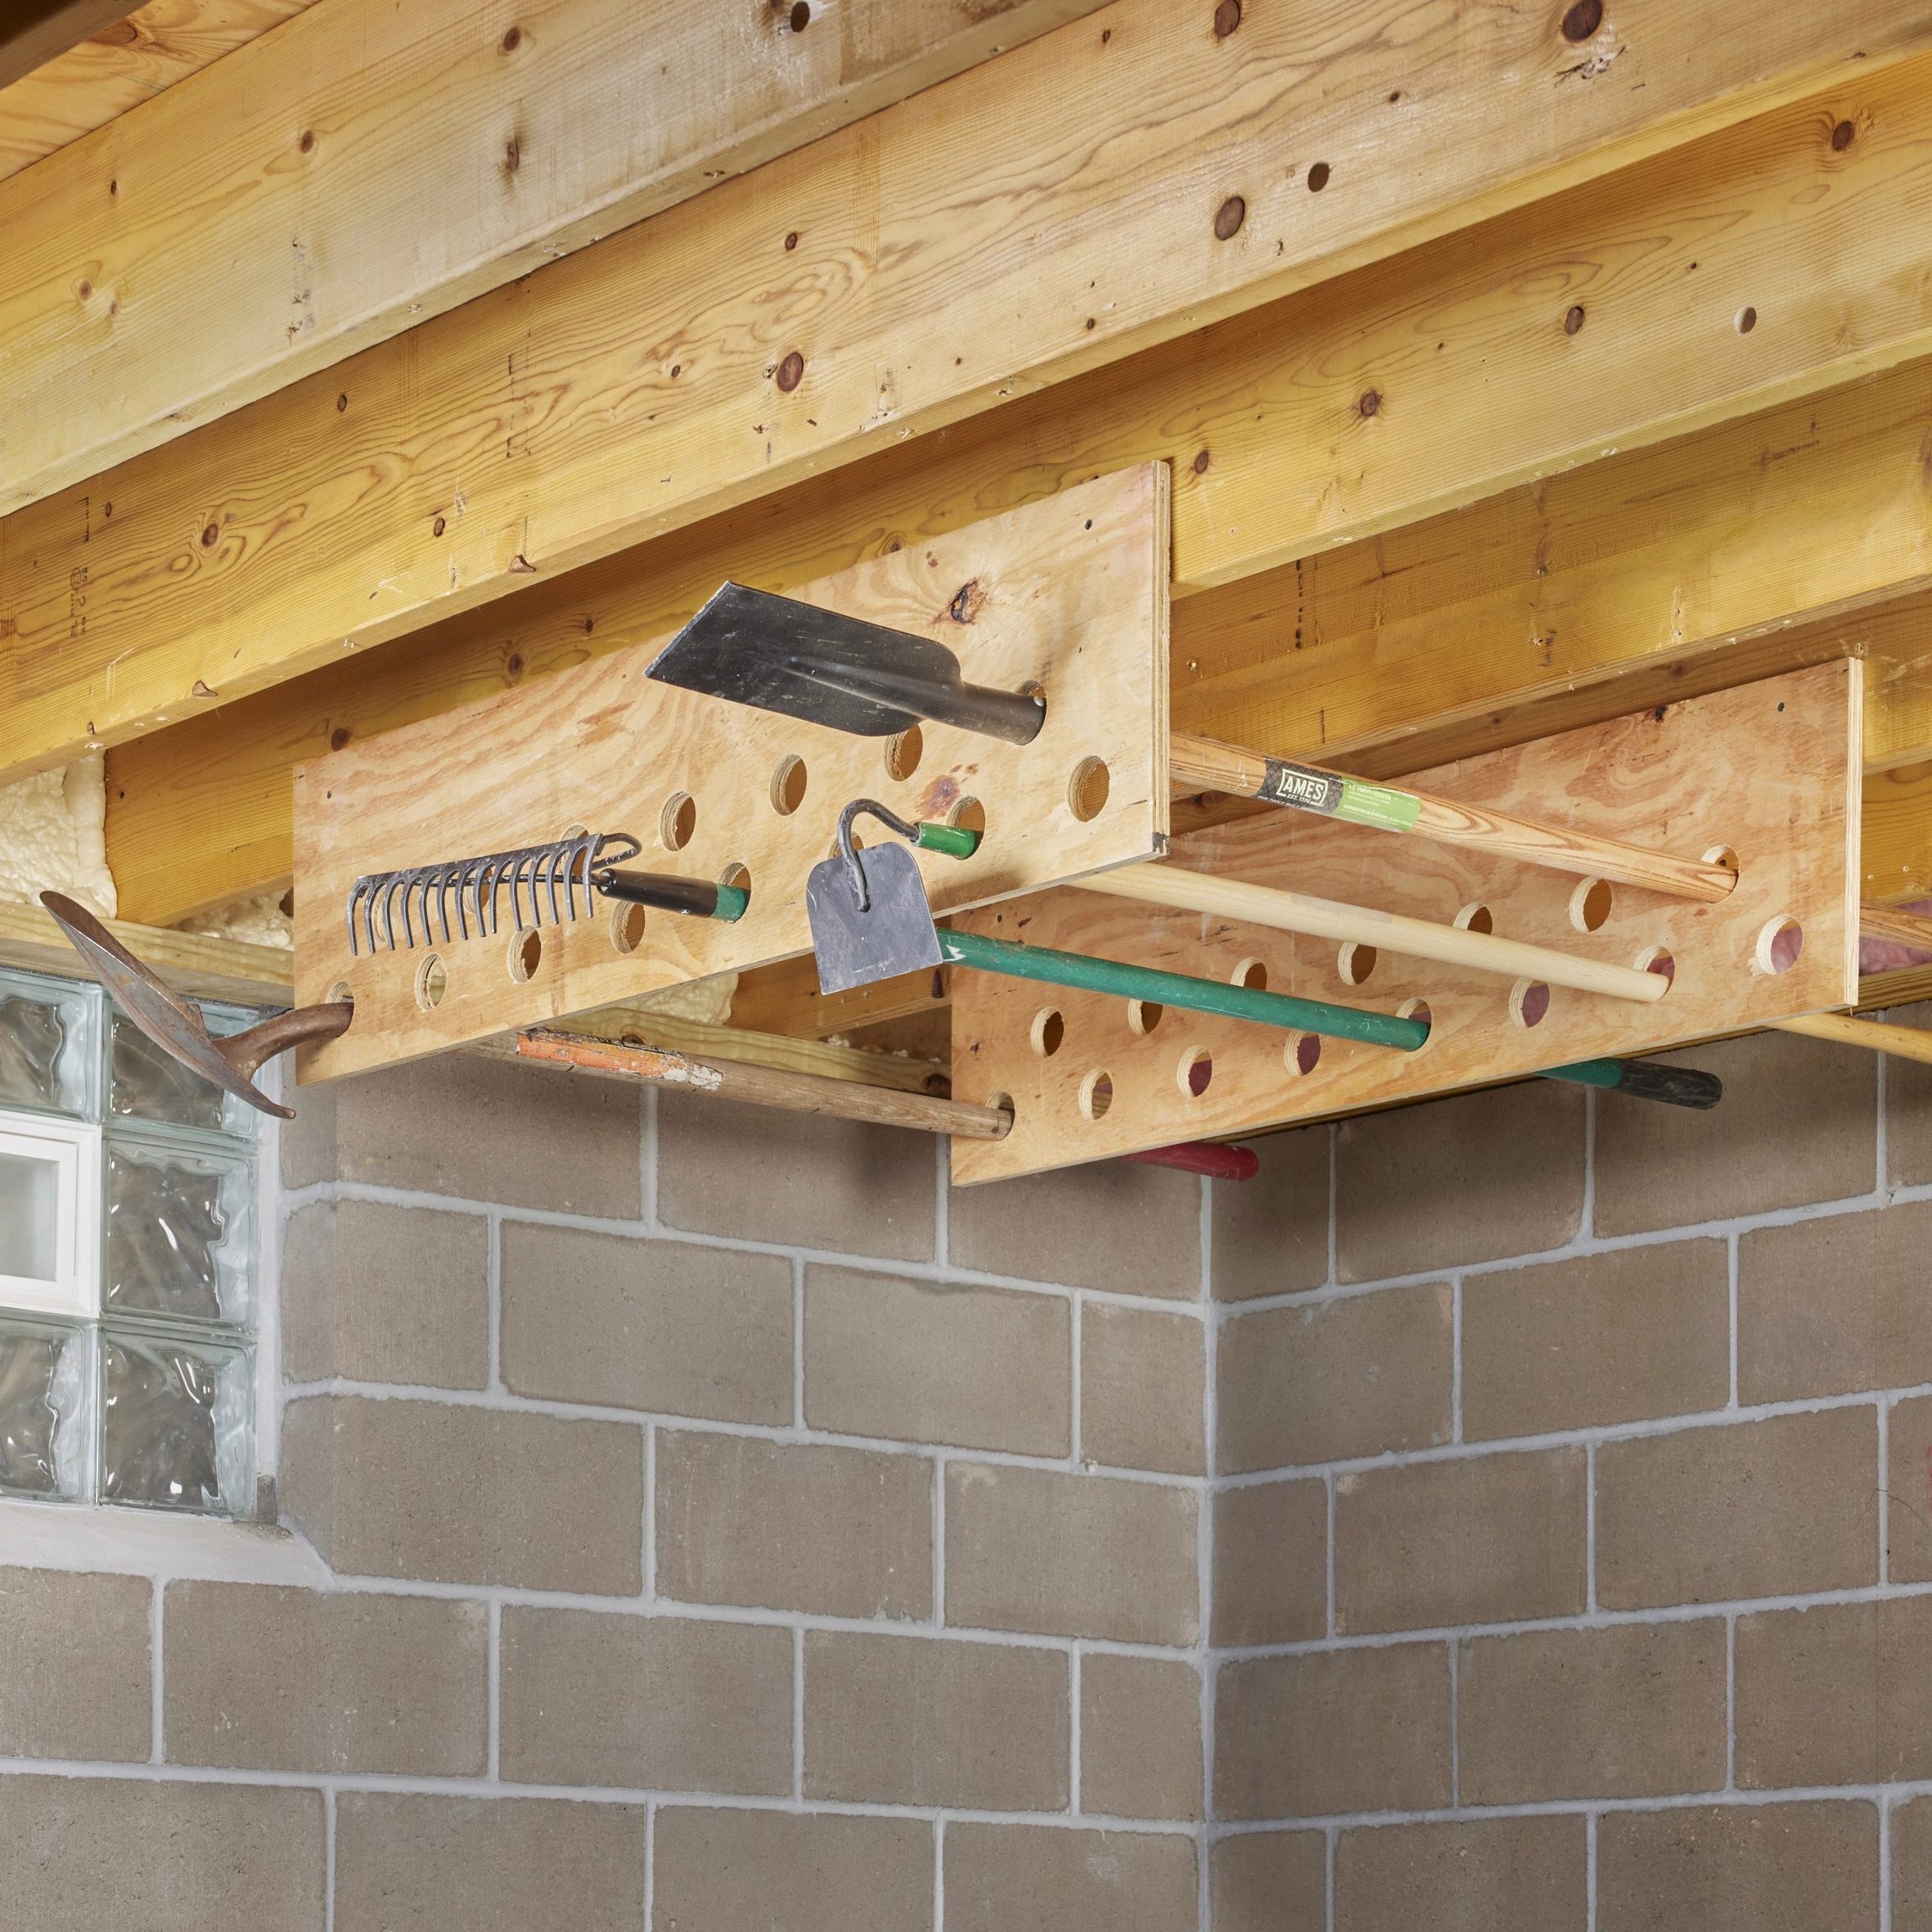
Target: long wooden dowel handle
x,y
1326,919
1209,764
1902,928
762,1086
1877,1036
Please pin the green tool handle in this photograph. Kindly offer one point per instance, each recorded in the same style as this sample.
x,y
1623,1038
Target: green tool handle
x,y
1681,1086
954,840
1180,989
698,899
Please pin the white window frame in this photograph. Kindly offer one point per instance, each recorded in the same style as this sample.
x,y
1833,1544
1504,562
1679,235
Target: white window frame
x,y
75,1149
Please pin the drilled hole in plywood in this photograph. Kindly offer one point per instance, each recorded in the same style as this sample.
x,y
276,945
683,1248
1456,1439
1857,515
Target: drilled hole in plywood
x,y
1252,973
1097,1095
1476,918
1590,904
1003,1103
432,982
903,753
340,994
1529,1003
525,955
1086,790
1048,1032
736,874
1303,1053
1780,941
627,928
1655,959
1194,1072
789,778
677,821
969,815
1418,1009
1355,963
1143,1016
1722,855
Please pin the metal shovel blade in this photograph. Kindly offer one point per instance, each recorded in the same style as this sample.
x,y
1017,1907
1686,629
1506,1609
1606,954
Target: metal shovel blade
x,y
895,933
864,679
177,1027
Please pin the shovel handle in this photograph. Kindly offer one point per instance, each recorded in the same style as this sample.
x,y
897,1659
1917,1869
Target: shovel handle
x,y
699,898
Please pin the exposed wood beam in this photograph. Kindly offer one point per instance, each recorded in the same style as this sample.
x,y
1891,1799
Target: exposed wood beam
x,y
1052,211
190,962
32,32
370,165
1811,510
121,65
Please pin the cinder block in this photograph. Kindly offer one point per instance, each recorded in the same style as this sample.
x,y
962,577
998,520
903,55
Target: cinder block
x,y
1270,1563
1502,1874
1270,1881
663,1326
451,1494
1032,1878
407,1863
1142,1388
914,1720
376,1293
1140,1737
1799,1867
1614,1337
751,1174
1630,1711
1325,1380
1324,1733
840,1532
1070,1555
1744,1509
645,1703
1911,1866
75,1682
268,1678
1271,1233
1476,1177
936,1361
1482,1539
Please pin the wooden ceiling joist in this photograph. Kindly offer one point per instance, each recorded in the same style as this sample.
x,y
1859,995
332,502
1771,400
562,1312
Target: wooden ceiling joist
x,y
1685,548
32,32
370,165
1110,186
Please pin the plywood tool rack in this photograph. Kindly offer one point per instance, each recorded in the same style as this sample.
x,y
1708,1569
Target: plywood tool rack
x,y
1071,592
1766,775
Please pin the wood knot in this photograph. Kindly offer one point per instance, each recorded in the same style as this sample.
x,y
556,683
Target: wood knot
x,y
1228,218
1582,20
967,601
792,372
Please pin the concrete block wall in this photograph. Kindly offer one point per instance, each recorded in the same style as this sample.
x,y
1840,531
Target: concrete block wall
x,y
1507,1512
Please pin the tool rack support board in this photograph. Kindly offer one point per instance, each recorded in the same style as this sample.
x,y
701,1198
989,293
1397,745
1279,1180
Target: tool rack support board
x,y
1071,592
1769,771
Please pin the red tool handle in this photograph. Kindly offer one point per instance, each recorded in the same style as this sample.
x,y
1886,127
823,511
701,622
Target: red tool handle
x,y
1204,1157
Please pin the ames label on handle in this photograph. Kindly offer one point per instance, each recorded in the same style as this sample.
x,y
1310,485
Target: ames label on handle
x,y
1349,798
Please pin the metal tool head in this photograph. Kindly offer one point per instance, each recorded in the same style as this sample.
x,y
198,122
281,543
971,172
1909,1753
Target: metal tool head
x,y
177,1027
753,648
891,932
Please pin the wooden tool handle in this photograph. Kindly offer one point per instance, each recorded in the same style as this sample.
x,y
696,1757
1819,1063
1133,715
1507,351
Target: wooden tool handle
x,y
1206,763
1901,1042
1294,912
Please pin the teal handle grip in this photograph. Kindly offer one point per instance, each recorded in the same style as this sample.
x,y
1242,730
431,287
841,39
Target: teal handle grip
x,y
731,902
954,840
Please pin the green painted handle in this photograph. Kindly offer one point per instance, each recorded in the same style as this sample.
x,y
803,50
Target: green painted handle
x,y
1180,989
731,902
955,840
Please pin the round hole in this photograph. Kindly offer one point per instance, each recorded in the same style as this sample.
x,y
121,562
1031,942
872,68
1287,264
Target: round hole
x,y
1003,1103
1780,941
1196,1070
1476,918
902,753
1722,855
788,784
1086,790
432,982
1654,959
1096,1094
341,994
1048,1032
1745,320
525,955
737,874
1418,1009
627,928
1143,1016
678,821
1302,1054
1529,1001
1251,973
969,815
1355,962
1590,904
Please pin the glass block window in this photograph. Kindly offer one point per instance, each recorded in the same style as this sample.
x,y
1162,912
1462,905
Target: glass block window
x,y
127,1261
